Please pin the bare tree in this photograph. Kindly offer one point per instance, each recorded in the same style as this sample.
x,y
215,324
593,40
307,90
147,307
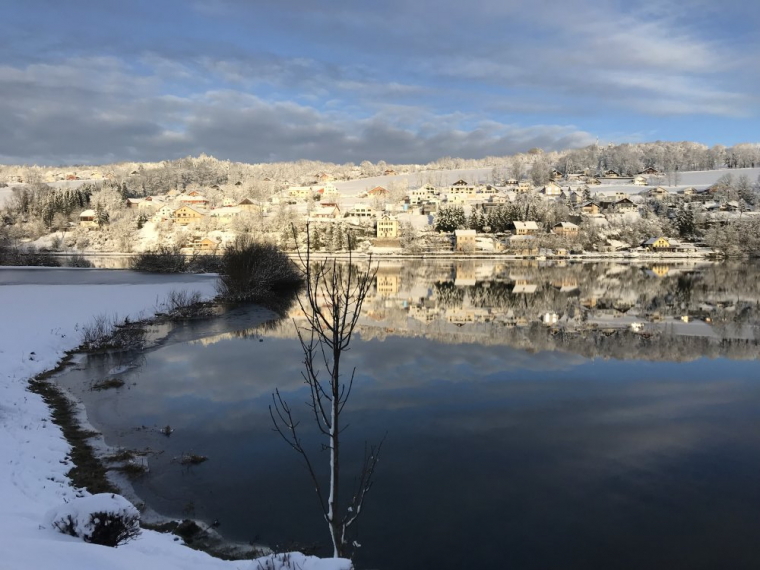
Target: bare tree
x,y
334,295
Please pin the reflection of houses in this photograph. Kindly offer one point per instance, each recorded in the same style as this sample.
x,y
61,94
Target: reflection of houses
x,y
387,281
465,275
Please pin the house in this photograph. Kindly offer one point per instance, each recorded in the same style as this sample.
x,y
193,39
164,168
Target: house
x,y
248,205
133,202
193,199
165,213
151,203
88,219
328,191
326,212
205,245
657,244
626,206
611,174
387,227
465,240
361,211
552,189
640,181
525,228
186,215
512,182
390,172
300,192
422,194
592,181
565,229
461,187
378,192
228,202
590,208
651,170
658,193
524,187
556,174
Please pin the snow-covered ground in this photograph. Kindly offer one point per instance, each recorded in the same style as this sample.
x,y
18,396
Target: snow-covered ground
x,y
42,312
436,177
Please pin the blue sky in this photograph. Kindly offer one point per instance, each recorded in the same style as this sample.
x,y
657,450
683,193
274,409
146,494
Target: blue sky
x,y
395,80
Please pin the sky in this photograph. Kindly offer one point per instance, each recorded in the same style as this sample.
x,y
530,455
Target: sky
x,y
405,81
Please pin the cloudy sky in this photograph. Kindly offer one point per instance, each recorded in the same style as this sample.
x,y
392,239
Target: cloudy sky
x,y
393,80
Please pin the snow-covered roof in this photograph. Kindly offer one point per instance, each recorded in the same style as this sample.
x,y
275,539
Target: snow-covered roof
x,y
530,225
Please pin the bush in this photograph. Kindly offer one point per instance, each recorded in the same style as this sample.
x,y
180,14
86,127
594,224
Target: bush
x,y
106,332
106,519
161,260
31,257
257,272
79,260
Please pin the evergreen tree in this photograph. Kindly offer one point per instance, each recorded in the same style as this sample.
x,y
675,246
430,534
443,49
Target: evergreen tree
x,y
450,218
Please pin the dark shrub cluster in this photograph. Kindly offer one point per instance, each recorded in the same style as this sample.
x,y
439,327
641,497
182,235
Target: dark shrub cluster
x,y
31,257
253,271
161,260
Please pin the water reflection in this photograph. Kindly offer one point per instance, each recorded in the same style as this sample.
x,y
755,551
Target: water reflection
x,y
516,439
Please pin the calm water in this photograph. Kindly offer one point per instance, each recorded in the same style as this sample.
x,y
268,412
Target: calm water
x,y
589,416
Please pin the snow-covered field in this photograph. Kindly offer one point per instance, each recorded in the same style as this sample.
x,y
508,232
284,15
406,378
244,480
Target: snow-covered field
x,y
42,312
435,177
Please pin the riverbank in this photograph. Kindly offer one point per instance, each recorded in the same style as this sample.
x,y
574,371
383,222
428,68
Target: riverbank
x,y
42,321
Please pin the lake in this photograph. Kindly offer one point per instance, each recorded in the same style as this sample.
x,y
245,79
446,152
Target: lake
x,y
538,415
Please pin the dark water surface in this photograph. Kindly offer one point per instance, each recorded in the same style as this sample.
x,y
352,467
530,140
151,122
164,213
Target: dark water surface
x,y
594,416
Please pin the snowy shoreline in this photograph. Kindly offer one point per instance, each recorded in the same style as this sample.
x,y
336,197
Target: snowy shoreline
x,y
41,323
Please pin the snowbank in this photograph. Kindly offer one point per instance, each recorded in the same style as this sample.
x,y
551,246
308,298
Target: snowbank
x,y
41,315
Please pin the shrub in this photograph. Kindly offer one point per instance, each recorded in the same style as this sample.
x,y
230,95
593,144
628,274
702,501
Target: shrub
x,y
253,271
106,332
106,519
78,260
161,260
31,257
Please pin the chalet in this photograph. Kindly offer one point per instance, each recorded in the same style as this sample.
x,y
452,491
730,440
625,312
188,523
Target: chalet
x,y
387,227
556,174
228,202
524,187
193,199
322,177
378,192
194,194
205,246
165,213
657,244
552,189
651,170
565,229
640,181
132,202
88,219
512,182
626,206
326,212
658,193
611,174
248,205
592,181
525,228
465,240
186,215
590,208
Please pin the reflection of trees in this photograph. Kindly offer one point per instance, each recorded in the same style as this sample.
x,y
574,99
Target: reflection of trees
x,y
448,295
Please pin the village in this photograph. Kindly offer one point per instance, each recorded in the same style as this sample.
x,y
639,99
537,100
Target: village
x,y
572,214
